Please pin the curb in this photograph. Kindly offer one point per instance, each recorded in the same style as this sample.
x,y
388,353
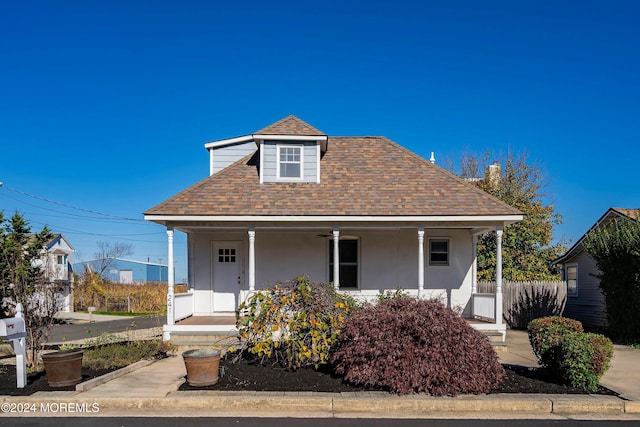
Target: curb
x,y
342,405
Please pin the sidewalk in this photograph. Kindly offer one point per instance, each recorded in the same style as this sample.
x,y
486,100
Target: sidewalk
x,y
79,317
152,390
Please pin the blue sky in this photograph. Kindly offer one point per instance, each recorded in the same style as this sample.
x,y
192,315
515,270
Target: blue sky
x,y
106,105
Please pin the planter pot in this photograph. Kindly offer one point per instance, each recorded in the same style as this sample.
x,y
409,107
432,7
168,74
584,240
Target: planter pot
x,y
64,368
202,366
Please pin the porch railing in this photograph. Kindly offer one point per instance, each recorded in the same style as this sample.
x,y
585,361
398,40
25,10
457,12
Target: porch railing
x,y
484,306
183,305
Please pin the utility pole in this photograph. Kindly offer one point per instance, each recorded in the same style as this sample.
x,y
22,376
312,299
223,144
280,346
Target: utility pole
x,y
160,267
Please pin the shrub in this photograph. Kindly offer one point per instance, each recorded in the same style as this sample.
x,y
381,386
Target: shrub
x,y
295,323
584,358
545,335
407,345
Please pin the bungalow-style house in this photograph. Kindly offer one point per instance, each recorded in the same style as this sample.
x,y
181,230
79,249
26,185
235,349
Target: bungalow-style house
x,y
362,213
585,301
126,271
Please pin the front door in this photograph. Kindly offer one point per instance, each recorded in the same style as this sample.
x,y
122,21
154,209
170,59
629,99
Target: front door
x,y
227,273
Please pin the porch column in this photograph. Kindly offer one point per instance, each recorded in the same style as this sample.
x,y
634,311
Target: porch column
x,y
170,270
336,258
252,259
420,261
474,266
499,276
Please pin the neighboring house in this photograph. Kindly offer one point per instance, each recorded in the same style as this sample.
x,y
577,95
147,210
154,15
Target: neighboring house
x,y
126,271
57,264
362,213
585,301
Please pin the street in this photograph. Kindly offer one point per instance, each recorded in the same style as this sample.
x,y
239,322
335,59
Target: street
x,y
77,331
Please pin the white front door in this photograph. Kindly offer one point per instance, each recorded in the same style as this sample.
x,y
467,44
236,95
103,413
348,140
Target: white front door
x,y
227,273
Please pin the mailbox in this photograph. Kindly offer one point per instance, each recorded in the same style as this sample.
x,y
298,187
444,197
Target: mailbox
x,y
12,328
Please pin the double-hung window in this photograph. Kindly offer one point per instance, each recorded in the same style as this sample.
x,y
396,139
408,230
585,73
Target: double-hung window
x,y
438,251
571,276
289,162
348,263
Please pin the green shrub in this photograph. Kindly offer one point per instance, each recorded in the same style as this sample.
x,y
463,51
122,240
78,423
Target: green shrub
x,y
545,335
295,323
407,345
584,358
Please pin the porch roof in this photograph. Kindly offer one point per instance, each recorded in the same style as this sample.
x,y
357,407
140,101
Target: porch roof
x,y
367,179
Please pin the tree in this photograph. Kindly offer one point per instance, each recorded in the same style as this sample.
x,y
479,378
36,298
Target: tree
x,y
615,247
527,248
22,279
108,252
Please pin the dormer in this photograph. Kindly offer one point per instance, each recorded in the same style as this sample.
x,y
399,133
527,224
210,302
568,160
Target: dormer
x,y
288,151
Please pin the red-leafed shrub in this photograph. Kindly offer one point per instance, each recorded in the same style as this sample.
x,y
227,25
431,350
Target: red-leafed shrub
x,y
408,346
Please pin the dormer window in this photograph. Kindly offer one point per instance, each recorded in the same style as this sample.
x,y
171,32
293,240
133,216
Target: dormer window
x,y
289,162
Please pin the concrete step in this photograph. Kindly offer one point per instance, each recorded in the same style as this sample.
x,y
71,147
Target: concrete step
x,y
197,340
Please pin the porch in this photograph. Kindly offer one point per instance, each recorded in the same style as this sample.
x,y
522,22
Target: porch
x,y
190,329
363,260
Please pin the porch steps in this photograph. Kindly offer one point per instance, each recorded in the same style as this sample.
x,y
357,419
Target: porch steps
x,y
195,339
495,338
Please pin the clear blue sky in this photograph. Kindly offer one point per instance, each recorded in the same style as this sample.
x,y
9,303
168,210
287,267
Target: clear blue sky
x,y
106,105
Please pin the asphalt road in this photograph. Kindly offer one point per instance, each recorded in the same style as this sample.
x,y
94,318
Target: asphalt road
x,y
291,422
77,331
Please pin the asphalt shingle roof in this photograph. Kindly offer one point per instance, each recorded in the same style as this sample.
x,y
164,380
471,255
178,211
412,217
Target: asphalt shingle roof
x,y
360,176
290,125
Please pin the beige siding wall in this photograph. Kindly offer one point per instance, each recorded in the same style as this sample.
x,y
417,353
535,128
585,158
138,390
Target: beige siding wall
x,y
588,306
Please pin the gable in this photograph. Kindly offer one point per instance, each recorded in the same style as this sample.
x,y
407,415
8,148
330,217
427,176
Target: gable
x,y
610,215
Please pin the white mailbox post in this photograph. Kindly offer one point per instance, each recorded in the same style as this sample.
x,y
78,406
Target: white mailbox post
x,y
13,329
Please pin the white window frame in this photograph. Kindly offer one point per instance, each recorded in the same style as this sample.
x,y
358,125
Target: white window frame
x,y
357,263
566,279
290,178
439,263
60,259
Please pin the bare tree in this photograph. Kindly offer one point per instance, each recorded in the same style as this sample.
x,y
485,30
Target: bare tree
x,y
108,252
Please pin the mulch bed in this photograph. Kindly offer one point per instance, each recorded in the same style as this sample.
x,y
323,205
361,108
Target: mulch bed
x,y
247,375
37,381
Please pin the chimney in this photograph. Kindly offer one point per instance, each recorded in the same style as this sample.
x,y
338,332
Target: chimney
x,y
493,174
433,158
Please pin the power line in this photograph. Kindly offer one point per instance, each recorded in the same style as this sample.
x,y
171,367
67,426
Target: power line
x,y
71,206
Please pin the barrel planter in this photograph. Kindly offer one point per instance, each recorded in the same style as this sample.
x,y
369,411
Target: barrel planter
x,y
64,368
202,366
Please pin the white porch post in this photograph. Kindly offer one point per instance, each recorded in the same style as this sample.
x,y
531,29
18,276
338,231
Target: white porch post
x,y
420,261
336,258
170,269
499,276
252,259
474,266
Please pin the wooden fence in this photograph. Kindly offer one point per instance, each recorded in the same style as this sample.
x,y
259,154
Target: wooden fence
x,y
525,301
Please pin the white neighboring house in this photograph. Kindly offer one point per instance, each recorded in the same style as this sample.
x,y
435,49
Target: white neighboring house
x,y
57,263
362,213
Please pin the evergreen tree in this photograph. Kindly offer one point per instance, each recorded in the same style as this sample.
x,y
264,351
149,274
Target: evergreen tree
x,y
527,248
22,279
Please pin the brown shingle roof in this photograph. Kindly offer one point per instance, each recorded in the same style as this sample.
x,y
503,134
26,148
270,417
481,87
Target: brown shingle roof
x,y
630,213
370,176
290,125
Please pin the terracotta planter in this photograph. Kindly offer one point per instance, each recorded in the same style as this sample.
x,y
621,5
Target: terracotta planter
x,y
202,366
64,368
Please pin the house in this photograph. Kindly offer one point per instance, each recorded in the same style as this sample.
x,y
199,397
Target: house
x,y
126,271
585,301
362,213
57,264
